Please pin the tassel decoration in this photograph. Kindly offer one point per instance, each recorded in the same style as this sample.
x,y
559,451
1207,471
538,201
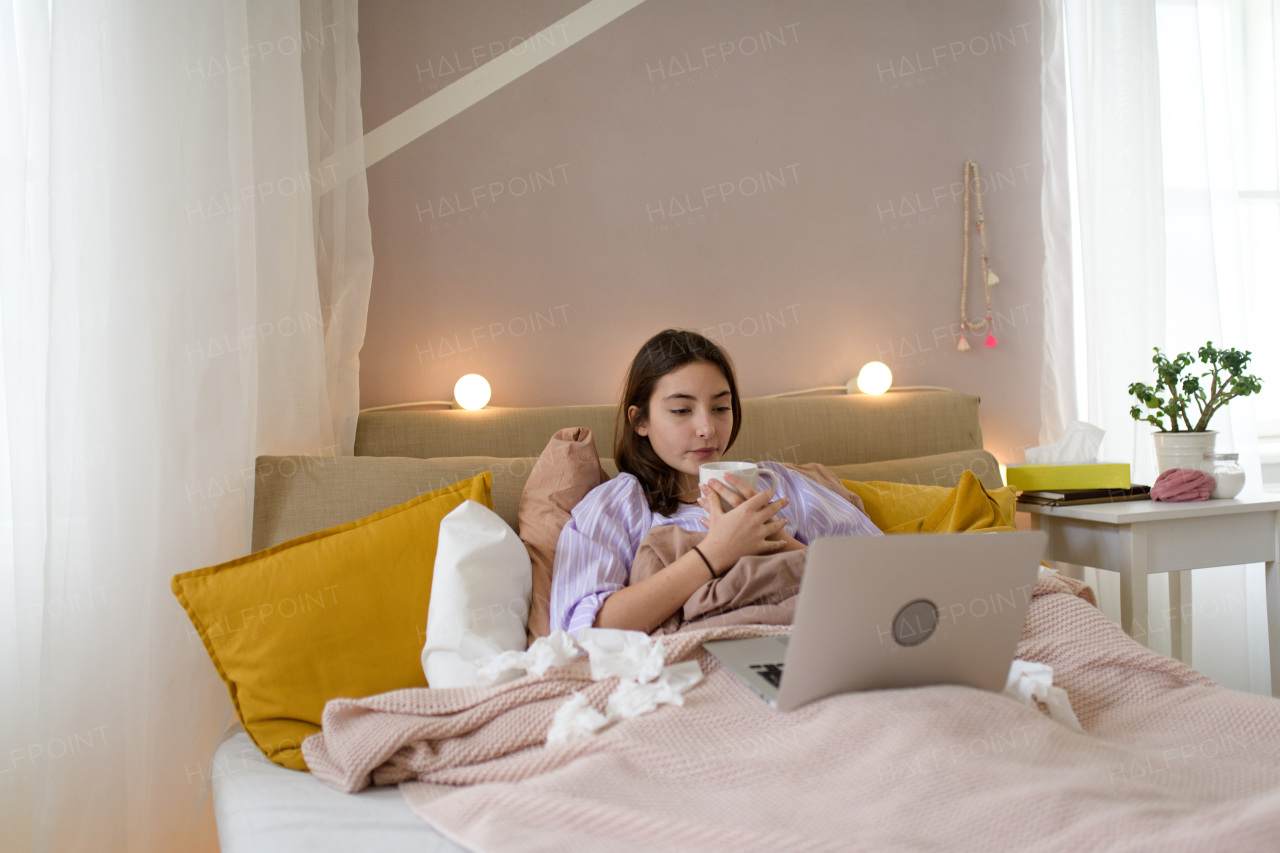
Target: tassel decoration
x,y
988,275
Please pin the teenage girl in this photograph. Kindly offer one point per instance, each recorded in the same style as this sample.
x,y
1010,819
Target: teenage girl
x,y
679,410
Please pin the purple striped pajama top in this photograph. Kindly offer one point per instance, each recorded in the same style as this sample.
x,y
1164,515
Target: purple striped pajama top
x,y
597,545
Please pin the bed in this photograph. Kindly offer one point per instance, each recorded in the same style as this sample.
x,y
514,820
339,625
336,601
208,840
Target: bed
x,y
1168,758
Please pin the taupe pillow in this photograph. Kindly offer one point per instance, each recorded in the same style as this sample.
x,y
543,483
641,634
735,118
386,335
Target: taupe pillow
x,y
568,468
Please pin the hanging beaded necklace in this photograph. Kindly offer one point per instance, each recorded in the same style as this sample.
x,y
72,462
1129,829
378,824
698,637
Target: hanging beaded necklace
x,y
988,277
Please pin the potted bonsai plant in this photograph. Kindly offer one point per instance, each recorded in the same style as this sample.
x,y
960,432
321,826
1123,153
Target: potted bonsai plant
x,y
1180,406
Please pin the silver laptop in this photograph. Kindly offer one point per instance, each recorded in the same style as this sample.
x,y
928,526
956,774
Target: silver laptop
x,y
878,612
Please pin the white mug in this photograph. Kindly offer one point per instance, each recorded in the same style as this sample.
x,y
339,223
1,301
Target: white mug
x,y
748,472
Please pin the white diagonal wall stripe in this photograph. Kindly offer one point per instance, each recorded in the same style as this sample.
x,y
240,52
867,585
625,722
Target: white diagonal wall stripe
x,y
490,77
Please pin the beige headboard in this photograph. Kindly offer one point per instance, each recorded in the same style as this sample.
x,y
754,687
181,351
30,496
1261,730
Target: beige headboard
x,y
834,430
925,437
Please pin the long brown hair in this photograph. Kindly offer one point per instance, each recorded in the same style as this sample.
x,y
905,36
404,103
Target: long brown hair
x,y
669,350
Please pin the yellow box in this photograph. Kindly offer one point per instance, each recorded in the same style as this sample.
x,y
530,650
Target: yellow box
x,y
1098,475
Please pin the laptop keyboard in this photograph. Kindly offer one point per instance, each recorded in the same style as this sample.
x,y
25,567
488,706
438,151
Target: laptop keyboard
x,y
770,672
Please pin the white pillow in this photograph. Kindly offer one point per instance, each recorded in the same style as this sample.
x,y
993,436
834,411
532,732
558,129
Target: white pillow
x,y
479,595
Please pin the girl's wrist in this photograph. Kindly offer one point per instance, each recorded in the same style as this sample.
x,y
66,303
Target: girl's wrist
x,y
715,557
706,562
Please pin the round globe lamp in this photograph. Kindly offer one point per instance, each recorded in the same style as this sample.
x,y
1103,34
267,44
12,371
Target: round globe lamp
x,y
472,391
874,378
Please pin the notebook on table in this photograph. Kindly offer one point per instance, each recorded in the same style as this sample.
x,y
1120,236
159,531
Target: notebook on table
x,y
1074,497
878,612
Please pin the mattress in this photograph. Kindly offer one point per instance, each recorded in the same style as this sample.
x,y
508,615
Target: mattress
x,y
263,808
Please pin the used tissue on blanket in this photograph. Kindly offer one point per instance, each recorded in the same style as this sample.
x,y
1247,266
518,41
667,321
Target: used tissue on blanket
x,y
633,698
556,649
1030,681
575,720
633,657
626,654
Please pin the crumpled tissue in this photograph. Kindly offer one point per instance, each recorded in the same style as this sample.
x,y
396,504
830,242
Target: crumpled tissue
x,y
1079,442
557,649
633,657
632,698
574,721
626,654
1029,681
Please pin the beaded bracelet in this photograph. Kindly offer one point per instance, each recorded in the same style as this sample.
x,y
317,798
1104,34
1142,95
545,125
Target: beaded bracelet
x,y
714,576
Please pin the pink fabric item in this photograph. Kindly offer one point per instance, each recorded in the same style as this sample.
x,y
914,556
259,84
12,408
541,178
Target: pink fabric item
x,y
758,590
1170,760
568,468
1182,484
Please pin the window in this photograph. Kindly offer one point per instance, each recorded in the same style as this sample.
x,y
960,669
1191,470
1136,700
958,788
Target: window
x,y
1253,30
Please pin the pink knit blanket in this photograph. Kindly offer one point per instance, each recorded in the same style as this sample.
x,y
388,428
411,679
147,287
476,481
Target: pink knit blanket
x,y
1170,760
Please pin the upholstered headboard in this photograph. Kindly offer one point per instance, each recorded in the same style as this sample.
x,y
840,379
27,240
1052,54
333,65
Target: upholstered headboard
x,y
926,437
834,430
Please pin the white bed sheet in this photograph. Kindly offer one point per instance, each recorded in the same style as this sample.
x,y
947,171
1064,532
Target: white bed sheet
x,y
263,808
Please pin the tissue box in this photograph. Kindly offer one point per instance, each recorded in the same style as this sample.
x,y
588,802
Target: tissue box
x,y
1096,475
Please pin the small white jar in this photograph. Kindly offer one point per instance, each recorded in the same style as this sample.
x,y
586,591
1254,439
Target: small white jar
x,y
1228,476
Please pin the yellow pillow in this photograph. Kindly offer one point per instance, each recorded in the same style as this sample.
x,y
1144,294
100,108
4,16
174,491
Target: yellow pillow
x,y
906,508
337,613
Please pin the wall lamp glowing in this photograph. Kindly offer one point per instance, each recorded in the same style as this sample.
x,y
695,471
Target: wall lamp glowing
x,y
472,392
875,377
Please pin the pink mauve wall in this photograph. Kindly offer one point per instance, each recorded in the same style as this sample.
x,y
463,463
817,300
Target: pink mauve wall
x,y
785,177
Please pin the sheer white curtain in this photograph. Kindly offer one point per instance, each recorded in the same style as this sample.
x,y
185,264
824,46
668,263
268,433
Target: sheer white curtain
x,y
1058,404
1159,256
164,206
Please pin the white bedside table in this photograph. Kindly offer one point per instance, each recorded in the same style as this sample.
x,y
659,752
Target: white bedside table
x,y
1140,538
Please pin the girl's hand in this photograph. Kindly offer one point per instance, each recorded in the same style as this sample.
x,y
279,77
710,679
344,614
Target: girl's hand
x,y
734,494
749,528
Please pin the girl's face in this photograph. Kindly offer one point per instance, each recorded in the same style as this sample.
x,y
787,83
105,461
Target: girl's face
x,y
690,420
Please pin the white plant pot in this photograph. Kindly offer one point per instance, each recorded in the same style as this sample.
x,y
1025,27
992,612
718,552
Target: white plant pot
x,y
1183,449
